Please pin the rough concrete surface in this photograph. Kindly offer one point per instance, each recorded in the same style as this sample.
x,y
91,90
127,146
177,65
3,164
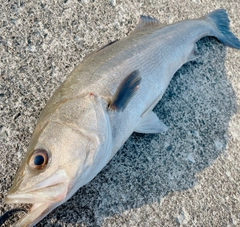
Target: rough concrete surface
x,y
188,176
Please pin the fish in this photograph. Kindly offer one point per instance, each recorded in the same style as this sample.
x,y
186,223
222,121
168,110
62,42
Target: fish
x,y
106,98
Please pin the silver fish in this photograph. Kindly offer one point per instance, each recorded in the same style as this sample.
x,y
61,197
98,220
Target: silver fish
x,y
102,102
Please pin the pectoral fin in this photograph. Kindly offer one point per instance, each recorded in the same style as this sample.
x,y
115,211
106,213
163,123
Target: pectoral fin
x,y
125,91
150,123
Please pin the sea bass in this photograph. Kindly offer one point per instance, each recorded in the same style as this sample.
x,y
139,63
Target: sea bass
x,y
104,100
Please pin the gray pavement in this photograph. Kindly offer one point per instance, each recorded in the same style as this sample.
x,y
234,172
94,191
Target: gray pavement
x,y
188,176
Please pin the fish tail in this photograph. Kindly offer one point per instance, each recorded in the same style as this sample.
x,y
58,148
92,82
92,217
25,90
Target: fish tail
x,y
219,19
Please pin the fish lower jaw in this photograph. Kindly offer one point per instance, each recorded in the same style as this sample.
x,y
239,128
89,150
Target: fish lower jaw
x,y
36,213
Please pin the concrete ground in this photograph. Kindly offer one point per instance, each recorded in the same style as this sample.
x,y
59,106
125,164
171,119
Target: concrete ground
x,y
188,176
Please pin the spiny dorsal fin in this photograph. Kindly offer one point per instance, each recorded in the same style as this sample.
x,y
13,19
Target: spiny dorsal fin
x,y
125,91
112,42
146,21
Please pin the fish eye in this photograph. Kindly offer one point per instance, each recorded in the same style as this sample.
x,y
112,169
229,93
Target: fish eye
x,y
39,159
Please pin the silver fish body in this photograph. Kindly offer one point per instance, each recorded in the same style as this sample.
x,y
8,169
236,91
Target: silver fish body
x,y
102,102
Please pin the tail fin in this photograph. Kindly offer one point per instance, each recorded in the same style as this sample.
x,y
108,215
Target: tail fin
x,y
219,19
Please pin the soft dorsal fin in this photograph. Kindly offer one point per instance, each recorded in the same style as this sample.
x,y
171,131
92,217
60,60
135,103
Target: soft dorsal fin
x,y
125,91
146,21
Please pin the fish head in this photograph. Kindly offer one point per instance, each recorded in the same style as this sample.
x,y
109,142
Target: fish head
x,y
66,151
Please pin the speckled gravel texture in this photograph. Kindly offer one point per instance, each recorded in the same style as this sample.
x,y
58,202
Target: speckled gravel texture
x,y
188,176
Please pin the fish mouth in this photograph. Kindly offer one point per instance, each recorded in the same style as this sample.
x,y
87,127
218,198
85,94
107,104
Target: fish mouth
x,y
42,204
36,213
44,196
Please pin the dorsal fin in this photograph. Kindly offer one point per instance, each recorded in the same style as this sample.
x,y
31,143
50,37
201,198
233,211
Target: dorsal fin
x,y
112,42
146,21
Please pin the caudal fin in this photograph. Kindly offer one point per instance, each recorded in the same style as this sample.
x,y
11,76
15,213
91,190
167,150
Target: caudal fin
x,y
219,19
